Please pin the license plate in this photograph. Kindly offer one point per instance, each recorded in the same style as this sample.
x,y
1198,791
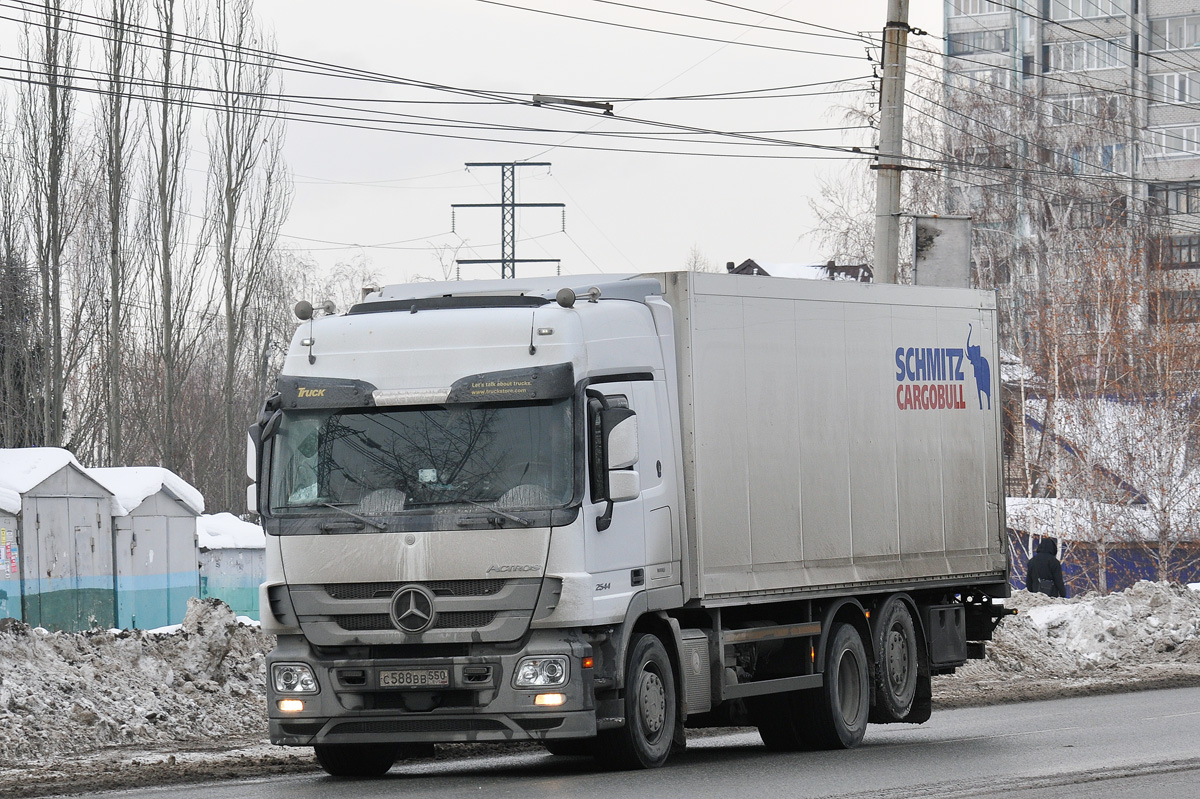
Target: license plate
x,y
414,678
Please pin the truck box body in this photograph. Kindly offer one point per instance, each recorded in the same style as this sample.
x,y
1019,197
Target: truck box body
x,y
589,510
804,466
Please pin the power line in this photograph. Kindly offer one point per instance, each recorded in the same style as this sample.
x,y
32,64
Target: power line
x,y
664,32
839,36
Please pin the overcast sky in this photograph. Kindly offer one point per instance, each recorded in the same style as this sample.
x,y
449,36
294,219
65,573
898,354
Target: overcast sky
x,y
386,196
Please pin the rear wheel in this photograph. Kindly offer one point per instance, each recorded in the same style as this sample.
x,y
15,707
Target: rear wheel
x,y
780,719
897,662
838,711
650,710
357,760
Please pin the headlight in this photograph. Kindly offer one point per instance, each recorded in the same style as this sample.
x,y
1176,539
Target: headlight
x,y
543,672
293,678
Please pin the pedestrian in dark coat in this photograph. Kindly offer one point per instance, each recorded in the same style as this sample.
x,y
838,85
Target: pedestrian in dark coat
x,y
1045,572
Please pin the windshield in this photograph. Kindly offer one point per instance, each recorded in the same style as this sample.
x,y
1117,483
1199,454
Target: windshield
x,y
417,459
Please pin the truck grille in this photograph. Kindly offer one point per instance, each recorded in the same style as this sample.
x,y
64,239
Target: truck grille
x,y
453,620
438,587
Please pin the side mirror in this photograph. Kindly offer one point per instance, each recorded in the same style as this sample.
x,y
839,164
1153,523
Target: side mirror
x,y
621,438
613,449
623,485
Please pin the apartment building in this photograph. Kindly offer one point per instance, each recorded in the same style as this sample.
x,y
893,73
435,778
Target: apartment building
x,y
1104,94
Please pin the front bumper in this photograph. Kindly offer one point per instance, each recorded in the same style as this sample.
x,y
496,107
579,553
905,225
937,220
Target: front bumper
x,y
479,705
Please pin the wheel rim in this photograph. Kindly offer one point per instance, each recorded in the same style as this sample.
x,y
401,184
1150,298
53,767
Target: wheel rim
x,y
652,703
898,659
849,689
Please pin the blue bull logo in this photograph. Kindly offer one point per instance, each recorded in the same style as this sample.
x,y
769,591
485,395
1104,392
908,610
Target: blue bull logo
x,y
983,372
933,378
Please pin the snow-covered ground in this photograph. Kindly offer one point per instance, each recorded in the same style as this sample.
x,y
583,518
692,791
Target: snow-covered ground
x,y
85,711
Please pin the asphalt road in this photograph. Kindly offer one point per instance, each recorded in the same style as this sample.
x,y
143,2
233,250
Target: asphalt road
x,y
1116,746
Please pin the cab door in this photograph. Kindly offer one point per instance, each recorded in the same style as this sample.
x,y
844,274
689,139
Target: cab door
x,y
615,554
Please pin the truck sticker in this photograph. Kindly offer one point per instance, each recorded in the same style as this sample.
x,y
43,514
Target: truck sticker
x,y
932,378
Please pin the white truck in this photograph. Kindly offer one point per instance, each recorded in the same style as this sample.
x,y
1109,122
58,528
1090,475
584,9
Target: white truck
x,y
593,511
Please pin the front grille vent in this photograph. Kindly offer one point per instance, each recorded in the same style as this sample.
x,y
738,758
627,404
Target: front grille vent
x,y
438,587
454,620
418,725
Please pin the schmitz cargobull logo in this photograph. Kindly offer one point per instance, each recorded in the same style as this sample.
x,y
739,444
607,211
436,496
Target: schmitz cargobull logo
x,y
932,378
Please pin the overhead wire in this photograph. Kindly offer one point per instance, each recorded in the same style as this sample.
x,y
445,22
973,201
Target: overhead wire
x,y
381,125
1178,225
664,32
702,18
510,100
1025,98
634,120
1155,55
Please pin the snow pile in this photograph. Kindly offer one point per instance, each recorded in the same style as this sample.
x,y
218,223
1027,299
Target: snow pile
x,y
71,693
1145,636
226,531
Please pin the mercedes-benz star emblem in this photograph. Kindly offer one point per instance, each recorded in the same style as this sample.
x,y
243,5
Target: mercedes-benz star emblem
x,y
412,609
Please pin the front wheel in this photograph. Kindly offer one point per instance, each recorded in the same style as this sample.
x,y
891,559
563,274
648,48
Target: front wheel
x,y
650,710
570,747
356,760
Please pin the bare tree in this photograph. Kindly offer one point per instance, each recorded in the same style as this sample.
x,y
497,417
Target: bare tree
x,y
698,261
118,141
845,206
22,348
446,256
46,109
249,194
174,263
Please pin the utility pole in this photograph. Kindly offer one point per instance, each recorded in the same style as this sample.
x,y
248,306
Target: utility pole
x,y
891,143
508,206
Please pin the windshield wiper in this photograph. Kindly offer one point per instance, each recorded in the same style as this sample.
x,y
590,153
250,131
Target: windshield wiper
x,y
509,516
364,520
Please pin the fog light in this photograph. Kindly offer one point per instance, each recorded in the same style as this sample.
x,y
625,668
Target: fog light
x,y
291,705
550,700
541,672
293,678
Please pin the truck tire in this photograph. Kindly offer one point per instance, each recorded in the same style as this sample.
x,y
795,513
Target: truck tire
x,y
571,747
897,662
651,710
837,712
356,760
780,719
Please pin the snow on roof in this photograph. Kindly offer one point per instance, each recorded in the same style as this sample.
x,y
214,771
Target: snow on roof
x,y
1080,520
132,485
10,501
802,271
226,531
1014,370
22,469
1139,447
